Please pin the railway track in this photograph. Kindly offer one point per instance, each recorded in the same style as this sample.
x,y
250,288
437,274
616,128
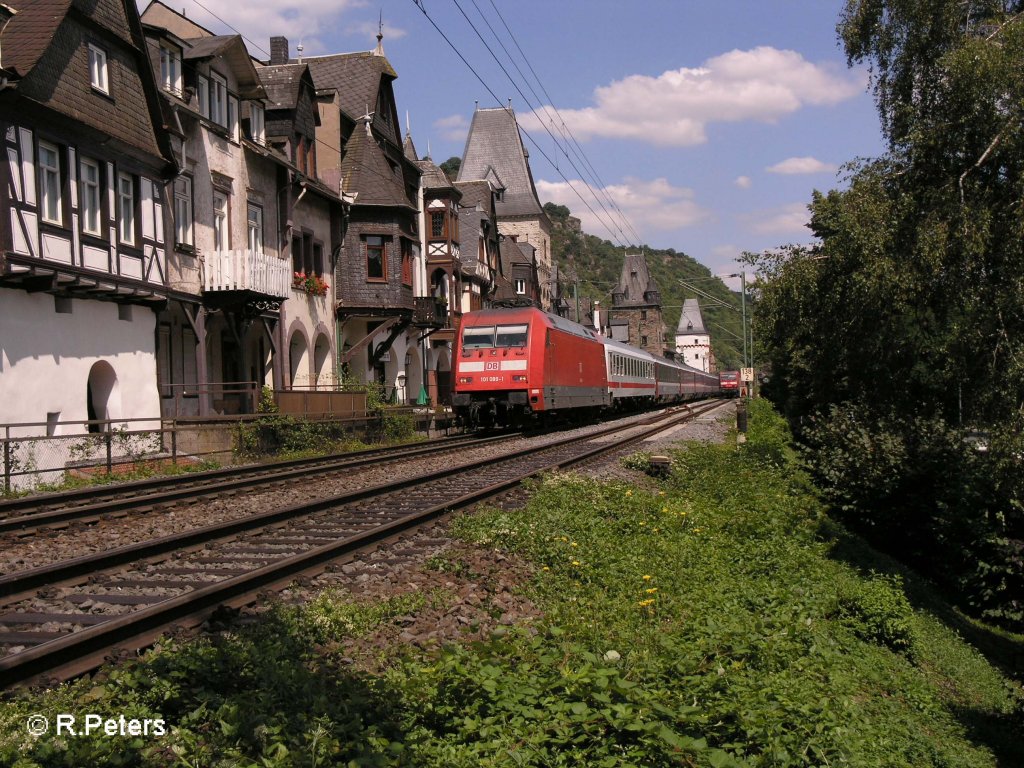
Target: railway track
x,y
30,514
63,619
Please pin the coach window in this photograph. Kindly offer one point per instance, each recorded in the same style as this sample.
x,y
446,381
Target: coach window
x,y
480,337
511,335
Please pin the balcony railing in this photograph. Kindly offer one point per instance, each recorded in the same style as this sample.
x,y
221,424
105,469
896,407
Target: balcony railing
x,y
245,270
430,312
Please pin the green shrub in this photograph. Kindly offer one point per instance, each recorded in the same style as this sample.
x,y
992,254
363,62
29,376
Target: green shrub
x,y
878,611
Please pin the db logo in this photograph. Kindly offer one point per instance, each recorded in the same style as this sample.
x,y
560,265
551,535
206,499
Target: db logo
x,y
491,366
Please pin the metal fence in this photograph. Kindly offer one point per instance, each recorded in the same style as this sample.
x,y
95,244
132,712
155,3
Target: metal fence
x,y
38,454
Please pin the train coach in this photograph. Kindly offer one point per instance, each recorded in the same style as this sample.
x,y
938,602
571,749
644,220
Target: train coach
x,y
512,364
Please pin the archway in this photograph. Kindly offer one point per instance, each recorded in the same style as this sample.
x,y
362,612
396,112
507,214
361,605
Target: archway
x,y
323,375
298,359
102,395
414,385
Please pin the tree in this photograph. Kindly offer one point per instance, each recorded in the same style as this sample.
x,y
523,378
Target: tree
x,y
907,317
451,167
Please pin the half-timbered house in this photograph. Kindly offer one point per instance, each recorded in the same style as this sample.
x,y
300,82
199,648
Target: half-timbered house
x,y
83,247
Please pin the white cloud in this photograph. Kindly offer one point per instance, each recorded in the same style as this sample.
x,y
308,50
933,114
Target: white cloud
x,y
653,205
453,127
791,219
797,165
743,182
298,21
675,108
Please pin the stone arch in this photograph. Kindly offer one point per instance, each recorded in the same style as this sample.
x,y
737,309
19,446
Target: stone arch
x,y
323,373
298,357
415,386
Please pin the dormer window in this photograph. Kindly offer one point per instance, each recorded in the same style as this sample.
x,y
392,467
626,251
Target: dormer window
x,y
170,69
98,69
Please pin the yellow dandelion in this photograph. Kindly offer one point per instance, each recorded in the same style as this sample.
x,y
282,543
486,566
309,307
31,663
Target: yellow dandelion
x,y
664,510
661,493
651,591
696,530
545,568
575,544
643,522
629,492
645,603
575,562
646,577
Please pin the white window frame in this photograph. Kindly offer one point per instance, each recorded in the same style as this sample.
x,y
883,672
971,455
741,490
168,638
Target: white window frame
x,y
221,231
218,99
254,219
98,74
91,188
170,69
183,216
257,123
520,286
126,208
203,95
51,208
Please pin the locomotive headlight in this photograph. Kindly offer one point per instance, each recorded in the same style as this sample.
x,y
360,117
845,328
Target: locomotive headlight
x,y
521,378
465,379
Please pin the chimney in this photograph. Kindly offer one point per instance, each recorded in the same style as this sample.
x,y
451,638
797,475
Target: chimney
x,y
278,50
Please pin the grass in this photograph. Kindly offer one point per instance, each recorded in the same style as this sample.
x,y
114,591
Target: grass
x,y
721,621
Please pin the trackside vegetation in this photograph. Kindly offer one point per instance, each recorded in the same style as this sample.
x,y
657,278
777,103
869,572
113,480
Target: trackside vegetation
x,y
720,619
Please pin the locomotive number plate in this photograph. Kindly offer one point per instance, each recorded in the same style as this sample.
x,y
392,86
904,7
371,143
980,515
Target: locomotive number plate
x,y
490,378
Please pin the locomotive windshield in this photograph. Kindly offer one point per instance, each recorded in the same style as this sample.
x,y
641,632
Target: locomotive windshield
x,y
480,337
512,335
731,376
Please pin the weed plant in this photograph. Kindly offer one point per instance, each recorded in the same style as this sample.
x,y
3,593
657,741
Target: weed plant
x,y
720,621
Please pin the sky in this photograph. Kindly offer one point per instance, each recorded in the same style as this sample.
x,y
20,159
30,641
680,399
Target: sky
x,y
687,124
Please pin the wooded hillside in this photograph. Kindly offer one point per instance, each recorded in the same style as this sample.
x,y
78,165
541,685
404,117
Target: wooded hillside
x,y
598,264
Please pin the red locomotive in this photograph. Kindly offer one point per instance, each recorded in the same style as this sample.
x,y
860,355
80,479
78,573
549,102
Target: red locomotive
x,y
730,383
512,363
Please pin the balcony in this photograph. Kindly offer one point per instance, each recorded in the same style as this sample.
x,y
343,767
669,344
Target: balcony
x,y
430,312
249,272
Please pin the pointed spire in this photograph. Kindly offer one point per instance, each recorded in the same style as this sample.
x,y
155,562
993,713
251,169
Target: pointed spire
x,y
428,149
379,50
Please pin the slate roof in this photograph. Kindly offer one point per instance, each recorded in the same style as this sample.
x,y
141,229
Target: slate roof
x,y
366,170
355,76
43,47
494,144
410,149
634,281
434,178
282,82
29,32
691,320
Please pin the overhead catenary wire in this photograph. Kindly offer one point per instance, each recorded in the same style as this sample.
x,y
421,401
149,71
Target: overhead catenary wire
x,y
561,126
539,148
536,109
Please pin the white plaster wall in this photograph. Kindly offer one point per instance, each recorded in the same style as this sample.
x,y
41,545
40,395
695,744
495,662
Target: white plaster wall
x,y
45,358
